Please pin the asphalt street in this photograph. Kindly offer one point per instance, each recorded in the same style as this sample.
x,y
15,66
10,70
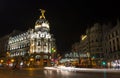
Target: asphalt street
x,y
48,73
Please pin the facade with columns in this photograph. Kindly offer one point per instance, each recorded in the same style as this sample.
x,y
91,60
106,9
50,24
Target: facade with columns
x,y
35,46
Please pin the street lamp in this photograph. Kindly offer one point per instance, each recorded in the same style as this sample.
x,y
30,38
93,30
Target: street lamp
x,y
12,60
1,61
31,61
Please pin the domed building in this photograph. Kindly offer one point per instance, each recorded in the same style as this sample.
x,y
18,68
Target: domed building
x,y
35,46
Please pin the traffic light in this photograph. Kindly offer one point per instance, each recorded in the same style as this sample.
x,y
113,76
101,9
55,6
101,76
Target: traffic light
x,y
53,50
103,63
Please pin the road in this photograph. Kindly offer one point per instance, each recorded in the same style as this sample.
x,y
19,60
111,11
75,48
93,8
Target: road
x,y
48,73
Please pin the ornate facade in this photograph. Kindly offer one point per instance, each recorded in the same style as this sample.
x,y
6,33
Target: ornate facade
x,y
36,44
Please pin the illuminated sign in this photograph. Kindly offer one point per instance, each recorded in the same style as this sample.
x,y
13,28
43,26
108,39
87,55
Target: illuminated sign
x,y
84,37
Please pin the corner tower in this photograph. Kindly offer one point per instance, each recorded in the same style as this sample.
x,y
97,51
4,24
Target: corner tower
x,y
42,41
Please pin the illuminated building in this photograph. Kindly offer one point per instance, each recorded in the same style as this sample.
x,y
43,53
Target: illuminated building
x,y
92,44
112,47
34,43
102,42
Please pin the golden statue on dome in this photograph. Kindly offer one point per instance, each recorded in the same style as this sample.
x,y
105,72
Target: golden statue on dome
x,y
43,13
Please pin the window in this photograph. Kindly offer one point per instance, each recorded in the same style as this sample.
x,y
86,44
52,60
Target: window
x,y
116,33
109,36
38,43
118,47
113,34
113,45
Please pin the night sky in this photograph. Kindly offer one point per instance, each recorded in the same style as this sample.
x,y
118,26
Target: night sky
x,y
68,19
